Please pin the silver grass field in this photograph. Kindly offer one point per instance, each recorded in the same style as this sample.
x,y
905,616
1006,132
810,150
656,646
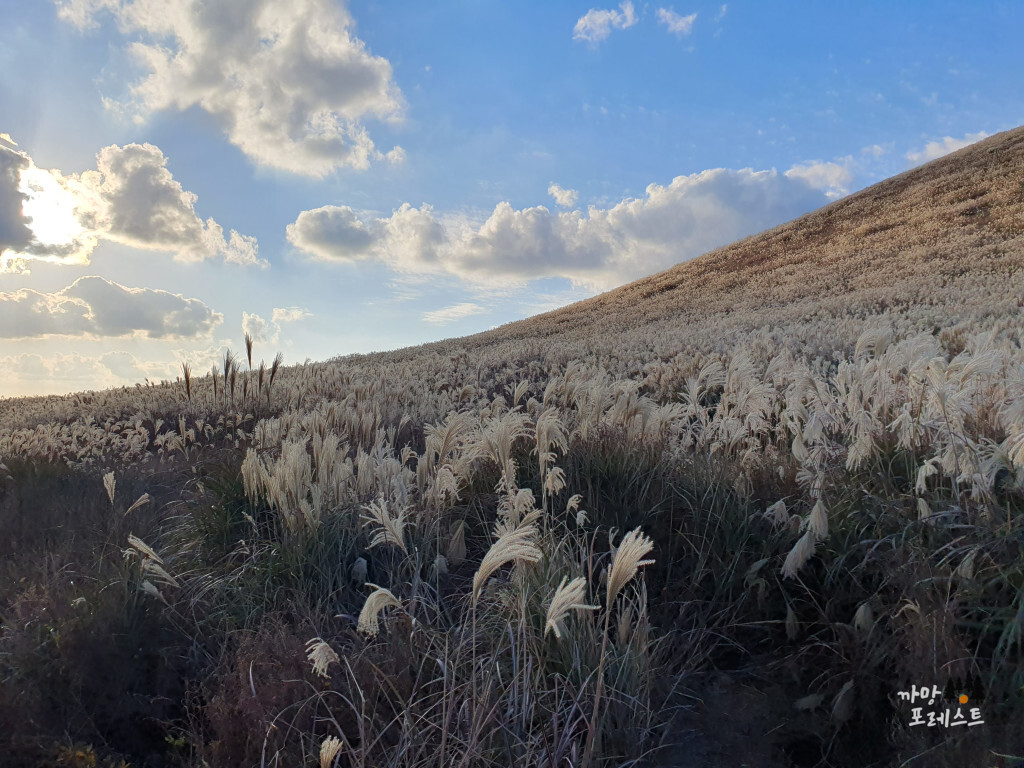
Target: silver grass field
x,y
682,536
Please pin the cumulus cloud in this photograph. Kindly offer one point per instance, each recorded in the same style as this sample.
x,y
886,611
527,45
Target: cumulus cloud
x,y
452,313
598,249
564,197
123,364
677,25
831,178
332,233
130,198
270,332
288,81
30,373
936,149
95,307
15,233
596,25
289,314
257,327
141,204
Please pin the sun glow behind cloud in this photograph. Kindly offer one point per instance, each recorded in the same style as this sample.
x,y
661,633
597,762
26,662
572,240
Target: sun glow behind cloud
x,y
50,208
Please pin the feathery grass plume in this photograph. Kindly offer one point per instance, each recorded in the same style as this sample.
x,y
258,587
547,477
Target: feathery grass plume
x,y
863,619
809,702
444,490
260,377
554,481
924,512
229,364
568,597
926,470
842,705
248,349
818,521
148,587
358,571
149,567
321,655
550,433
378,600
873,342
456,549
142,547
573,504
514,545
777,513
517,392
628,558
965,570
109,483
792,623
186,372
329,749
274,367
1015,445
391,529
438,568
801,552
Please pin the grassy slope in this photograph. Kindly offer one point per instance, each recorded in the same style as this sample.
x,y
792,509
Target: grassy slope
x,y
938,246
929,230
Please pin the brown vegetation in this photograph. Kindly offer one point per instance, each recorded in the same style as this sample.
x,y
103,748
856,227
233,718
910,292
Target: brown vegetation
x,y
814,439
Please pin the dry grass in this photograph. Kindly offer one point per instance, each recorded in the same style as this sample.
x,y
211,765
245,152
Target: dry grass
x,y
817,433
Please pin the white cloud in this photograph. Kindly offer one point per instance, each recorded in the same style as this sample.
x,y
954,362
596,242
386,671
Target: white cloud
x,y
677,25
721,12
598,249
142,205
564,197
270,333
455,312
30,373
130,198
332,233
288,81
936,149
123,364
596,25
258,328
289,314
831,178
95,307
875,150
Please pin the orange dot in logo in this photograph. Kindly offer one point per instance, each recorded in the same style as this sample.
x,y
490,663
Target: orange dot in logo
x,y
963,698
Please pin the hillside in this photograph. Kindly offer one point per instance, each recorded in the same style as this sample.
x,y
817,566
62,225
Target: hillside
x,y
729,514
943,242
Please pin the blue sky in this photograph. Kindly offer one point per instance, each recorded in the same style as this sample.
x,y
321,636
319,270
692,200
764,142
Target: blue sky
x,y
381,174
